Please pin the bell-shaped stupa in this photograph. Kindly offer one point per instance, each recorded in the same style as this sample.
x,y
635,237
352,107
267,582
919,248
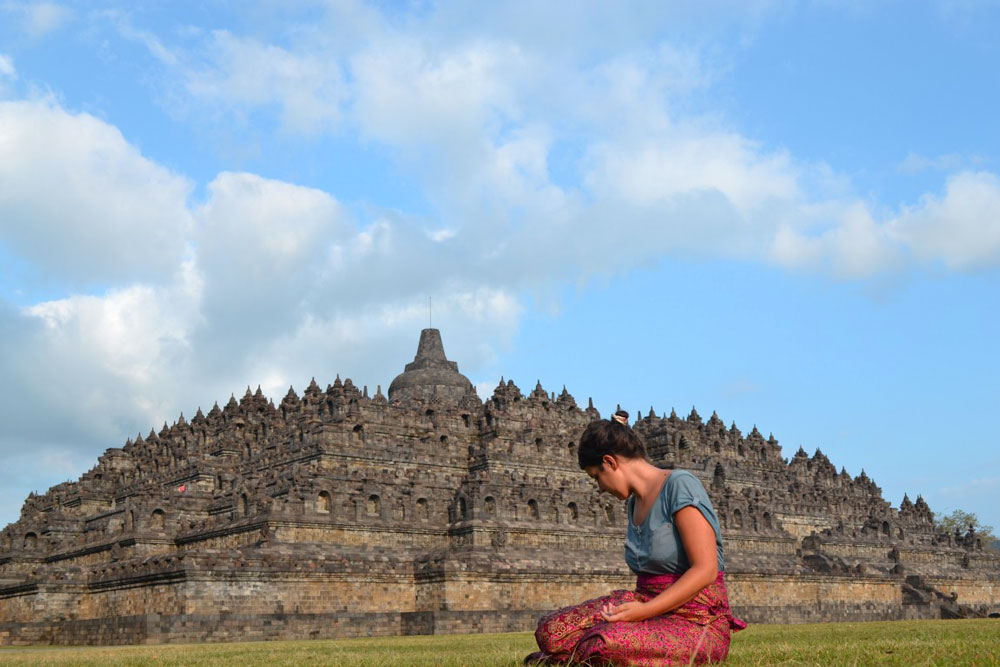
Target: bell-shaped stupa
x,y
430,376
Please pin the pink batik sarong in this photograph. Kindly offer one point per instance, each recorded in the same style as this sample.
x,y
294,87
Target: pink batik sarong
x,y
579,635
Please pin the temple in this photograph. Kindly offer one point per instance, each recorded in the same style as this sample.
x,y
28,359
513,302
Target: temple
x,y
338,513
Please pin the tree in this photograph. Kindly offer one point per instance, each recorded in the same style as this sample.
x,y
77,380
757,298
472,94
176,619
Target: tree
x,y
962,521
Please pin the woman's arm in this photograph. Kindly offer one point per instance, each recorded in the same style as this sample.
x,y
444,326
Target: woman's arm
x,y
699,544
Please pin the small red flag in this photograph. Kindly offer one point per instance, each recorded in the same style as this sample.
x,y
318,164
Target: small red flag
x,y
182,488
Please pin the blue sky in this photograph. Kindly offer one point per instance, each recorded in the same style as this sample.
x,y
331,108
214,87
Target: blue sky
x,y
787,212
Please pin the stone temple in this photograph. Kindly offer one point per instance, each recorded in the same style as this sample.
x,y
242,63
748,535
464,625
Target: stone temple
x,y
336,513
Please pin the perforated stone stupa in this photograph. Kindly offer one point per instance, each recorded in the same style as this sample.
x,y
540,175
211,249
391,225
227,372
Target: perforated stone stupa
x,y
336,513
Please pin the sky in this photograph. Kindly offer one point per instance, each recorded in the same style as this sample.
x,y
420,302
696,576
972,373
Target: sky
x,y
785,212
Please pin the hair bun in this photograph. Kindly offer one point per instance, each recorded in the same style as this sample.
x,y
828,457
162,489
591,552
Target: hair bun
x,y
613,436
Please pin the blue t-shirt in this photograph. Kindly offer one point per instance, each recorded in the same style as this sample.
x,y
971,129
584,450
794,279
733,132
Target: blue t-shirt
x,y
654,546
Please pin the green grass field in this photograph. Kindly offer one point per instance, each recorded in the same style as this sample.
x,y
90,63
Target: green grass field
x,y
974,642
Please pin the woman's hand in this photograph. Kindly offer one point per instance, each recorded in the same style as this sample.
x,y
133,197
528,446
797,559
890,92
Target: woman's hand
x,y
626,611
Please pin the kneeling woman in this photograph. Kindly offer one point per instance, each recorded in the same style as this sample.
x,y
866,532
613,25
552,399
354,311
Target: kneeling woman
x,y
679,611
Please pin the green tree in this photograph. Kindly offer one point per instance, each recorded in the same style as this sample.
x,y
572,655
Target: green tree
x,y
961,521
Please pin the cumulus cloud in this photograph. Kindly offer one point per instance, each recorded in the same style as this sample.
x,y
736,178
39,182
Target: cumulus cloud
x,y
960,228
652,172
81,203
262,246
532,135
481,119
853,245
246,74
104,362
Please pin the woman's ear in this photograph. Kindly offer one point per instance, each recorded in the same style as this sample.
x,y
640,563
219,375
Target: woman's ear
x,y
609,461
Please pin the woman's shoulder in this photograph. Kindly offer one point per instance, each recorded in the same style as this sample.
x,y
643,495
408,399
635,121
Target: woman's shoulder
x,y
684,482
681,475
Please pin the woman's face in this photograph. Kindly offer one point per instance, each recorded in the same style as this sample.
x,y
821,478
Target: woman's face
x,y
609,477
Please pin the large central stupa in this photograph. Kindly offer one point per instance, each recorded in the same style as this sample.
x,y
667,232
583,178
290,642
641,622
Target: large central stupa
x,y
430,376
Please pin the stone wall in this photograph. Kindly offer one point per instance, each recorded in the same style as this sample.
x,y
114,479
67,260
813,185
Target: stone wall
x,y
814,598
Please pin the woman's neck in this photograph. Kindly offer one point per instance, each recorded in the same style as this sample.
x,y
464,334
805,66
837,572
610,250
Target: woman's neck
x,y
645,479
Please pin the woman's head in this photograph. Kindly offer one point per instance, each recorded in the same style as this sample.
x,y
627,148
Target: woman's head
x,y
609,437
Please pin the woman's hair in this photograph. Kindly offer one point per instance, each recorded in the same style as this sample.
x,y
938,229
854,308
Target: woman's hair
x,y
609,436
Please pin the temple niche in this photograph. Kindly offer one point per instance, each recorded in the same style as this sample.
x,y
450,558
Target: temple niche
x,y
343,512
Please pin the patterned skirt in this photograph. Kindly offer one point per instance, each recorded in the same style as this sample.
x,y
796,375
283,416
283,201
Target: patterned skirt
x,y
695,633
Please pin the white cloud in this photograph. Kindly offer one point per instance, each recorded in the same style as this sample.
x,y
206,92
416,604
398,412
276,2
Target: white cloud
x,y
80,202
451,96
75,390
853,246
127,333
266,225
37,19
150,41
439,235
798,251
861,247
7,74
485,389
463,115
914,162
948,162
960,229
262,249
7,67
476,117
308,89
666,166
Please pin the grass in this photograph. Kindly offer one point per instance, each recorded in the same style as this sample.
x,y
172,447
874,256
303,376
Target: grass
x,y
973,642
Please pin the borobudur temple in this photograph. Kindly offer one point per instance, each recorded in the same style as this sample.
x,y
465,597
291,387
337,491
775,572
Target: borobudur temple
x,y
338,513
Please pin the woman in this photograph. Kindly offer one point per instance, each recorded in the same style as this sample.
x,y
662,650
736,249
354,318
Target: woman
x,y
678,613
